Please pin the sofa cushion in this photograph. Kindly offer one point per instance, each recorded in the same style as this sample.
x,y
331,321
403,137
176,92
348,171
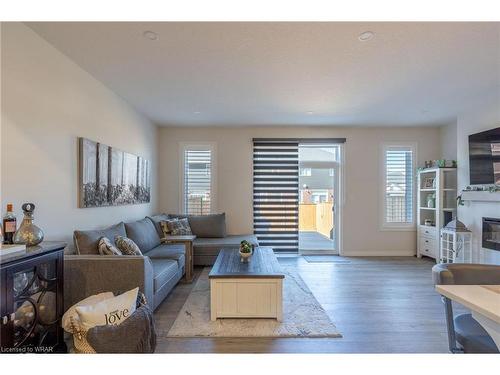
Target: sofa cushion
x,y
86,241
143,233
169,251
157,219
206,226
163,271
212,246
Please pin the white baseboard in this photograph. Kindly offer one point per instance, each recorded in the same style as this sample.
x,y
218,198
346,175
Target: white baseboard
x,y
379,253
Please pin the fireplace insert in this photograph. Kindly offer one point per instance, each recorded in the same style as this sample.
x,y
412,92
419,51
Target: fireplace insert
x,y
491,233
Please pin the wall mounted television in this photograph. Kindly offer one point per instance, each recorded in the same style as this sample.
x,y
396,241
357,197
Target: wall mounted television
x,y
484,157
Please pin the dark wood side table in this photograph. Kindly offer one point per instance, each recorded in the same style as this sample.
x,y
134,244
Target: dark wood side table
x,y
187,240
31,299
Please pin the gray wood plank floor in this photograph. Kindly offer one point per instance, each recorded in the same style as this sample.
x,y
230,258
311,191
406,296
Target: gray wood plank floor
x,y
380,305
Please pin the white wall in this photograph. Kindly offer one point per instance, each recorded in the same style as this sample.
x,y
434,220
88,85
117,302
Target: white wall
x,y
485,115
47,102
234,179
448,137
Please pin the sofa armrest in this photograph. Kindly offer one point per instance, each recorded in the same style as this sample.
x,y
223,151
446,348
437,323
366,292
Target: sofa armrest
x,y
85,275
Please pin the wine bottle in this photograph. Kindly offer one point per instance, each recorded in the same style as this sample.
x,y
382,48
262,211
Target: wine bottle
x,y
9,226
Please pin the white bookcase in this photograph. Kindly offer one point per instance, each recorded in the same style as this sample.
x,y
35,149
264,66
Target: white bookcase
x,y
444,188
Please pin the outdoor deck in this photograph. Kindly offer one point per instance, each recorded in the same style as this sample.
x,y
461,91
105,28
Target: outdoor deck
x,y
309,241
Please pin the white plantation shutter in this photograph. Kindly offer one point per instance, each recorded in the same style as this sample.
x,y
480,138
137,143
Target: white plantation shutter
x,y
197,182
398,183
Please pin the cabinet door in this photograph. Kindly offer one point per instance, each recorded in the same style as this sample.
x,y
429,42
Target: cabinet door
x,y
33,302
4,314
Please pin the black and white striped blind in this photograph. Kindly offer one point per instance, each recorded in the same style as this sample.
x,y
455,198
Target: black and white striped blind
x,y
276,193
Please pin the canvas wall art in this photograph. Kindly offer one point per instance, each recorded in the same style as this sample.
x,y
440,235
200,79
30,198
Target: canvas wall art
x,y
111,177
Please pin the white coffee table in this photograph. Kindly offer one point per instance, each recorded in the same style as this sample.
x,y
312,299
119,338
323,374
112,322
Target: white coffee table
x,y
246,290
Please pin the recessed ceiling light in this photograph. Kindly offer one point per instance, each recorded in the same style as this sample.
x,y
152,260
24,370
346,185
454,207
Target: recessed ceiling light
x,y
366,36
310,112
151,35
197,112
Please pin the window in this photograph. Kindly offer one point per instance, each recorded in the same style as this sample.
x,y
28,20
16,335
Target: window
x,y
398,186
331,172
305,172
197,180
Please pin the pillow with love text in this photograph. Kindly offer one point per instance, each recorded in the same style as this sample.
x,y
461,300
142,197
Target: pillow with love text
x,y
112,311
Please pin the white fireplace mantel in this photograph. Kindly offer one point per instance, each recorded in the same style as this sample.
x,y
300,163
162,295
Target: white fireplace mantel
x,y
480,196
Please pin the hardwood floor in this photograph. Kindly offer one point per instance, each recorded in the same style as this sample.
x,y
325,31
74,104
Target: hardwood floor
x,y
380,305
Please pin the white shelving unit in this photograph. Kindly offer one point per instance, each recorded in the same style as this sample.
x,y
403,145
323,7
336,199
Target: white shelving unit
x,y
445,190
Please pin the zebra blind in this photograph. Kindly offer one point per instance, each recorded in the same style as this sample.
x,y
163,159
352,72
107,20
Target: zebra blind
x,y
197,182
399,185
276,194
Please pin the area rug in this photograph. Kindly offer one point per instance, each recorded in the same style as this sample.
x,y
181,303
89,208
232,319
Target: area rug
x,y
303,316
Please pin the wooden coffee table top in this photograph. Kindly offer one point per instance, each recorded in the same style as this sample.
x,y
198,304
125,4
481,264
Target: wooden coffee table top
x,y
262,264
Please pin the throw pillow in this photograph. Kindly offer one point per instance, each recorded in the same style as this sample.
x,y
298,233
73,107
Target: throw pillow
x,y
112,311
71,318
164,228
179,227
107,248
127,246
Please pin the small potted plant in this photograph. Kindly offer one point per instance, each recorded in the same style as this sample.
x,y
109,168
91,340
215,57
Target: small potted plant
x,y
245,251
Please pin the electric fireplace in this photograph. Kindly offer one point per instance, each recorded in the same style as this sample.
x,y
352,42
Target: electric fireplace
x,y
491,233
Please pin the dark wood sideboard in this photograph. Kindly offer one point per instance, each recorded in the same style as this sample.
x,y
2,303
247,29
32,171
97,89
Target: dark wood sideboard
x,y
31,300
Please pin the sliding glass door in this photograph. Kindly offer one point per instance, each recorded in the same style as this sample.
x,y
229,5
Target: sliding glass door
x,y
296,191
319,172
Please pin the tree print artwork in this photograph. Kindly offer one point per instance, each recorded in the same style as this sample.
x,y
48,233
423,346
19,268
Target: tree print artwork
x,y
111,177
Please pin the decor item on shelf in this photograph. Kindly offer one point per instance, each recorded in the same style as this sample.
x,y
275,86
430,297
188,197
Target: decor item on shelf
x,y
111,177
429,183
9,225
28,233
431,200
439,163
429,223
245,251
456,243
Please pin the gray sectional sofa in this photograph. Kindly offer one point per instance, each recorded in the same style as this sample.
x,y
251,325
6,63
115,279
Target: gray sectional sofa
x,y
211,237
156,272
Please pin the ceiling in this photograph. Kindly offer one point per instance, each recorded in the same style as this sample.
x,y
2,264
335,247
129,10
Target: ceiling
x,y
287,73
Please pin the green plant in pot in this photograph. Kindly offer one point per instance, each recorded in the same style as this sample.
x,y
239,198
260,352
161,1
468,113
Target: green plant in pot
x,y
245,251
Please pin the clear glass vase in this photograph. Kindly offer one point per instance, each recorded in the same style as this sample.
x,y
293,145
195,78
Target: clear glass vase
x,y
28,233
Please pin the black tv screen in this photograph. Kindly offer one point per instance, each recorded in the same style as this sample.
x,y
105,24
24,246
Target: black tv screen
x,y
484,157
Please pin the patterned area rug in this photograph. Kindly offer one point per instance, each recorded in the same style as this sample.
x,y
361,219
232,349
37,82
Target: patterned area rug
x,y
303,316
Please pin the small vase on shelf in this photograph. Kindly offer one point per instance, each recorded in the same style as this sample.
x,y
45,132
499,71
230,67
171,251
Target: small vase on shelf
x,y
28,233
431,201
